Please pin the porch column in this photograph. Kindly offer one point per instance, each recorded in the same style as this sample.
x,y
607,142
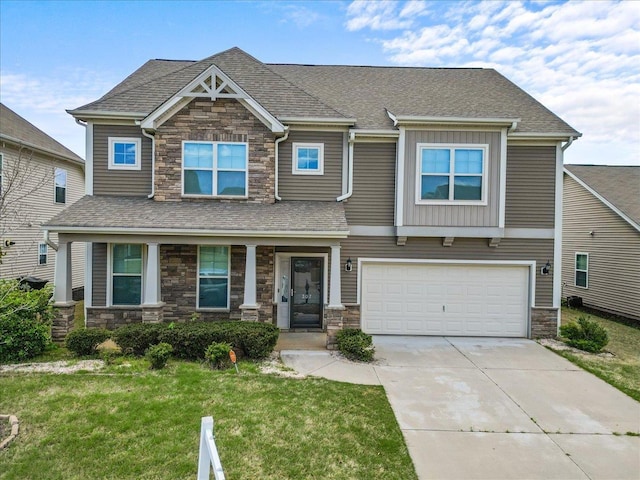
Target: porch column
x,y
249,306
335,288
64,306
151,302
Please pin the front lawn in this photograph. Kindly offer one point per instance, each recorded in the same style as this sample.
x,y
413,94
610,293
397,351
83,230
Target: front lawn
x,y
623,369
129,422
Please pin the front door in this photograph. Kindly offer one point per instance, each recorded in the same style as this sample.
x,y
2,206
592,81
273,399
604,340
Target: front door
x,y
306,292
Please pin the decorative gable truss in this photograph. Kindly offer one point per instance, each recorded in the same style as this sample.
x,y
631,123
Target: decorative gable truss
x,y
213,83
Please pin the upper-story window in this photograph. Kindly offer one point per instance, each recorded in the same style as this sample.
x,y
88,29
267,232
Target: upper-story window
x,y
308,159
451,174
124,153
60,181
215,169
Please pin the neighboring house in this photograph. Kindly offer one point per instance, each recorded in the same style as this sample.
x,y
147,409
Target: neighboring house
x,y
403,200
39,178
601,237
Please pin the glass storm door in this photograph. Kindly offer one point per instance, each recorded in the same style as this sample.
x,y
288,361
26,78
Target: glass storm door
x,y
306,292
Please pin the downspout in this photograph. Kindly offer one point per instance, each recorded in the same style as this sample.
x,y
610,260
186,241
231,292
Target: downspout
x,y
81,123
352,139
153,163
513,126
48,241
278,140
568,144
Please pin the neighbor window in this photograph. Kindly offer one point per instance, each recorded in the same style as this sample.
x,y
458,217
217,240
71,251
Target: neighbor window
x,y
126,274
60,185
582,270
42,254
214,168
308,159
213,277
451,173
124,153
1,177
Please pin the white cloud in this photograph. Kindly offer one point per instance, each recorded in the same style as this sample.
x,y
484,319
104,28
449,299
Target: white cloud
x,y
381,15
580,59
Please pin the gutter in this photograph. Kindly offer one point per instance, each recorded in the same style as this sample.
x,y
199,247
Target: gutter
x,y
153,162
48,241
568,144
352,139
278,140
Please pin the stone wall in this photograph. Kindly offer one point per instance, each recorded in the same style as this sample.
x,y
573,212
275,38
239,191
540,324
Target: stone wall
x,y
222,120
112,317
544,322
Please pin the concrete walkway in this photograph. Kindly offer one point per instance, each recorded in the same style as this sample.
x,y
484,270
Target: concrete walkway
x,y
494,408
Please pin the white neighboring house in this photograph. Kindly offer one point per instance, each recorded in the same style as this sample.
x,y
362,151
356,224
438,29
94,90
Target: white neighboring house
x,y
39,177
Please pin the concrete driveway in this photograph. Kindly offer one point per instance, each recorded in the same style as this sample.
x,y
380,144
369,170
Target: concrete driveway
x,y
494,408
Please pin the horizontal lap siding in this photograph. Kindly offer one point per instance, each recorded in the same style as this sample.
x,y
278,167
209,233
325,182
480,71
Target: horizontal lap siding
x,y
325,187
99,275
614,253
119,182
452,215
374,173
530,195
462,249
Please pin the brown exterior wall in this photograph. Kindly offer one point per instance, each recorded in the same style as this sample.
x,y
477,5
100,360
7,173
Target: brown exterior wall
x,y
119,182
374,174
452,215
530,196
324,187
614,253
222,120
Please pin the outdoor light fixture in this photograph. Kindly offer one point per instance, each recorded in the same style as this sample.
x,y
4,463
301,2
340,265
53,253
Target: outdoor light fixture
x,y
546,269
349,265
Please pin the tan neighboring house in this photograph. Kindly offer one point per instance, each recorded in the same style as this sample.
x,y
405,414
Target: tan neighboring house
x,y
39,178
405,201
601,237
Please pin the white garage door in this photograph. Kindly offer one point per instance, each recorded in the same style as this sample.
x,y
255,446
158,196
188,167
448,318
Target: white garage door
x,y
440,299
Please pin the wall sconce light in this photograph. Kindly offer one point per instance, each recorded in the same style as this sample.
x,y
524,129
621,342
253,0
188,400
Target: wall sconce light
x,y
9,243
546,269
349,265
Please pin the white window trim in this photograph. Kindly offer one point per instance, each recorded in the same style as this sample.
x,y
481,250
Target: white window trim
x,y
113,141
294,159
212,309
214,171
110,275
576,270
452,146
55,185
46,253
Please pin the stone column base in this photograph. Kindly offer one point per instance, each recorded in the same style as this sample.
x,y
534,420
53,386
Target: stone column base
x,y
333,317
250,313
62,321
153,314
544,322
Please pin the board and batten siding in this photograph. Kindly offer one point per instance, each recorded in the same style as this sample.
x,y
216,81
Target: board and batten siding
x,y
34,209
99,275
530,195
452,215
614,253
120,182
462,249
374,173
326,187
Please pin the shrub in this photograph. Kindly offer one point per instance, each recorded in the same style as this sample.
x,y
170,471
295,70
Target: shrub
x,y
25,321
217,355
138,337
260,343
354,344
586,335
158,355
84,341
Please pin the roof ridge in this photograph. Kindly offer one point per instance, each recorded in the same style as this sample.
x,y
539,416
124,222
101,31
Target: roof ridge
x,y
406,67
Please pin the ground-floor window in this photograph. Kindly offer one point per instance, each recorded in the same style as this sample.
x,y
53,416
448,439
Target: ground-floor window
x,y
126,274
582,270
213,277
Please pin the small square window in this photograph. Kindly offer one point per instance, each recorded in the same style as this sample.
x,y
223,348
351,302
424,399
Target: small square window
x,y
124,153
42,254
308,159
60,185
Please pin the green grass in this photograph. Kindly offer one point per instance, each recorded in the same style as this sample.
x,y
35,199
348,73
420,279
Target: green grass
x,y
129,422
623,369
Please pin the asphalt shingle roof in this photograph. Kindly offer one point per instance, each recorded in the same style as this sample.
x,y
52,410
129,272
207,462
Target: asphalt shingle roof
x,y
141,213
619,185
14,127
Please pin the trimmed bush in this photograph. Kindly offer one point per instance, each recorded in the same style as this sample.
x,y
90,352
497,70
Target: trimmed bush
x,y
25,321
138,337
84,341
159,355
354,344
217,355
586,335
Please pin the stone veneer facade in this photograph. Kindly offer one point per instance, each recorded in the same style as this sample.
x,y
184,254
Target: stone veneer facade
x,y
222,120
544,322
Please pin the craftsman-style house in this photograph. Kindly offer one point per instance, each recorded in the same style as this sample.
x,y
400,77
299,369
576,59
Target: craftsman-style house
x,y
410,201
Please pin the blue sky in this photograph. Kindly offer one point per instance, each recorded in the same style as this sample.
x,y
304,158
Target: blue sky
x,y
580,59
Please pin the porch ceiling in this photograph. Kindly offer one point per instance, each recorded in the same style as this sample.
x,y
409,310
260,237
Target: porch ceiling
x,y
140,215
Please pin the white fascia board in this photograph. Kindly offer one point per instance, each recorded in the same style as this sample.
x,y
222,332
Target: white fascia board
x,y
604,200
485,121
94,114
555,136
362,132
318,121
46,151
467,232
